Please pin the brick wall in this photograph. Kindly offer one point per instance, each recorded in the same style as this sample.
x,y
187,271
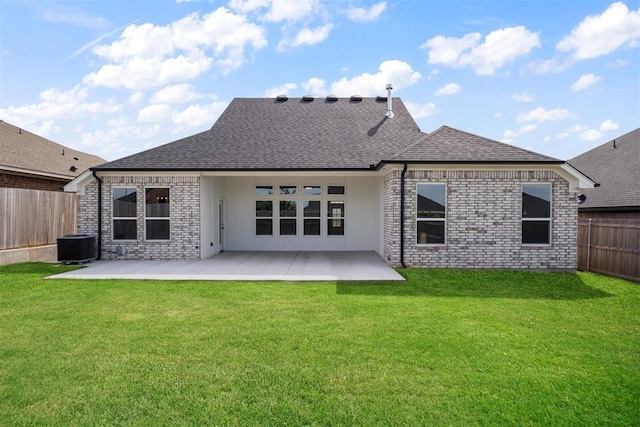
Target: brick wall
x,y
21,181
184,194
483,221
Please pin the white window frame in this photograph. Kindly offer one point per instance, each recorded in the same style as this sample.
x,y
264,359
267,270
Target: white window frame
x,y
157,218
126,218
443,220
549,219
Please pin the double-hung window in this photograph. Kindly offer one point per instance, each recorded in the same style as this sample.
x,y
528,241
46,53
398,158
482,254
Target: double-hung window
x,y
157,213
124,213
431,213
264,210
536,214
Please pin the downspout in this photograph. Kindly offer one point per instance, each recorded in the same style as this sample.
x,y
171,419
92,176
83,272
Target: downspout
x,y
99,257
402,177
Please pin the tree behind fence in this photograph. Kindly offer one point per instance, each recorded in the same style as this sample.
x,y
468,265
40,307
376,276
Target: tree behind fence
x,y
610,246
35,217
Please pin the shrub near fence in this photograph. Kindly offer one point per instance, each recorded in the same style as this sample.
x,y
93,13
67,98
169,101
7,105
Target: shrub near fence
x,y
610,246
35,217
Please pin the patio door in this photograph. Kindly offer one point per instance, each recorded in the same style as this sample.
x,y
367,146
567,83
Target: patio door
x,y
221,224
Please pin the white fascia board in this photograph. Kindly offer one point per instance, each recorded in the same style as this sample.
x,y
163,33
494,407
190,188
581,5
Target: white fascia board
x,y
78,184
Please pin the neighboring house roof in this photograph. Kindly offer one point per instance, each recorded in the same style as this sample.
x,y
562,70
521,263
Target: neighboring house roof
x,y
616,166
319,134
26,153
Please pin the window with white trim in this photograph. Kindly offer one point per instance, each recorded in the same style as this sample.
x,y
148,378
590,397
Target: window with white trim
x,y
536,214
124,213
311,217
335,217
431,213
157,213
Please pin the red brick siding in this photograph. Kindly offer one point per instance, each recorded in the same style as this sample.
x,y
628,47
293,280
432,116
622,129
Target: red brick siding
x,y
21,181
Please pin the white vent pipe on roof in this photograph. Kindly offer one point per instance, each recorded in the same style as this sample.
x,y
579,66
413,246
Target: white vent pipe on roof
x,y
389,102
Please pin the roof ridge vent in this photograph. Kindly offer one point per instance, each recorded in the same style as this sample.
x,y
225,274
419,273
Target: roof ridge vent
x,y
332,98
307,98
282,98
356,98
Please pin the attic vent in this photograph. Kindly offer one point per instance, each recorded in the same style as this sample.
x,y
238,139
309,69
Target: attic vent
x,y
381,98
307,98
75,158
282,98
356,98
332,98
73,168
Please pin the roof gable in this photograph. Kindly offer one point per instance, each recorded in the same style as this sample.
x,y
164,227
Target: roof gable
x,y
616,168
25,152
449,145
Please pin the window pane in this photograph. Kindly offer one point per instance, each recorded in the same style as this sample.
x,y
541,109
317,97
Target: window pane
x,y
535,232
264,208
335,189
431,232
157,202
264,227
312,190
125,229
335,227
431,200
311,227
124,202
311,208
288,208
287,190
335,209
157,229
288,227
536,201
264,190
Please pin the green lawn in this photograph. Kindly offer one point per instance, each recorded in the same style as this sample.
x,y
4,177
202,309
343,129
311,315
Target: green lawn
x,y
445,348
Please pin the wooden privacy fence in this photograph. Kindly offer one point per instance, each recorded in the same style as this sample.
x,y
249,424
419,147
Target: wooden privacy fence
x,y
610,246
35,217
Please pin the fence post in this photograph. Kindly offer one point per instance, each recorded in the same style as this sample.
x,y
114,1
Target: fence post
x,y
589,246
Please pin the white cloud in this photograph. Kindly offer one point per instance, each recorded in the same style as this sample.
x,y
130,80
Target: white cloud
x,y
246,6
290,10
315,86
510,134
590,135
56,13
46,129
542,115
154,113
198,115
135,98
306,36
175,94
499,48
602,34
419,111
58,104
398,73
362,14
147,55
448,89
280,90
523,97
608,125
584,82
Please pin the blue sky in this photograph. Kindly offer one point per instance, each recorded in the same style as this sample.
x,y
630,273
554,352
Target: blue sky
x,y
117,77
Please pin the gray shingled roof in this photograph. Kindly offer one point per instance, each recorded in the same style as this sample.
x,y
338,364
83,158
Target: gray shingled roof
x,y
30,153
266,134
448,145
616,169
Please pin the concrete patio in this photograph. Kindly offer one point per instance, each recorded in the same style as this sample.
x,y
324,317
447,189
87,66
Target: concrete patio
x,y
288,266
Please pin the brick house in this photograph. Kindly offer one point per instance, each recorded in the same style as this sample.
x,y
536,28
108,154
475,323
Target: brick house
x,y
615,165
31,161
336,174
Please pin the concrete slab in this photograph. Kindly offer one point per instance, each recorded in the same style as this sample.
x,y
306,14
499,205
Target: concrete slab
x,y
288,266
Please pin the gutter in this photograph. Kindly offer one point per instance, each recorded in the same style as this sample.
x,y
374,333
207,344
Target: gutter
x,y
99,257
402,178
